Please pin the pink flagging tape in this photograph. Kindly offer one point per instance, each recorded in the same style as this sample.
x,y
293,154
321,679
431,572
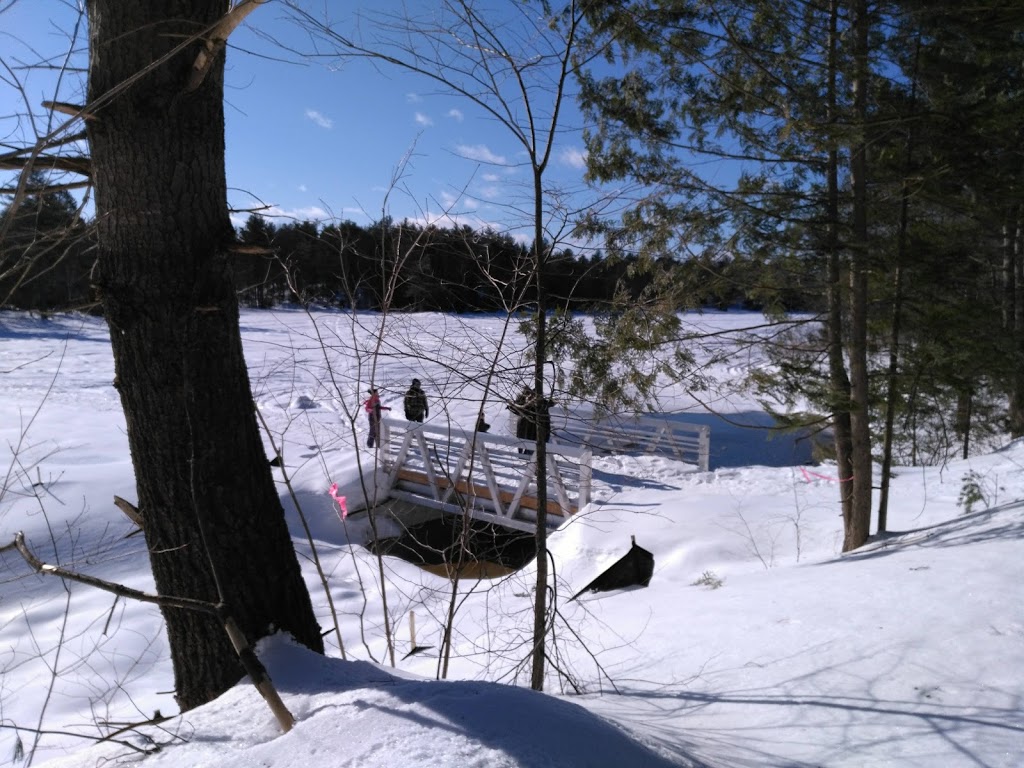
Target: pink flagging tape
x,y
809,475
342,504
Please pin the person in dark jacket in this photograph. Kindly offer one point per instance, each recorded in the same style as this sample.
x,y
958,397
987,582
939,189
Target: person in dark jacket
x,y
481,425
522,407
532,416
373,409
416,408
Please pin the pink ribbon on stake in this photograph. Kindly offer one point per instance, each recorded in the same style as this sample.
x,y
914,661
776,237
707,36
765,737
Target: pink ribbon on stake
x,y
809,475
342,504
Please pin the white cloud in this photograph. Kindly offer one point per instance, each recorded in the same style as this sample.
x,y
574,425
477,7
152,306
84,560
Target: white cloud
x,y
277,215
307,213
413,98
492,177
490,193
573,157
455,114
453,220
481,153
422,119
303,188
319,119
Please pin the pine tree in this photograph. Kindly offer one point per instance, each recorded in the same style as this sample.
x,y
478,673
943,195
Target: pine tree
x,y
44,254
754,91
973,180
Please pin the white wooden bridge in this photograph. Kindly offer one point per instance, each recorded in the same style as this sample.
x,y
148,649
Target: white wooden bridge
x,y
493,477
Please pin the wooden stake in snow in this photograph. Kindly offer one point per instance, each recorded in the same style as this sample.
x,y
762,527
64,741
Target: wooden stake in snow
x,y
412,638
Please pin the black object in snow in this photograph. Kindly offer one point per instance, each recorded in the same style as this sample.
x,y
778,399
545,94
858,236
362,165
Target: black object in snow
x,y
634,568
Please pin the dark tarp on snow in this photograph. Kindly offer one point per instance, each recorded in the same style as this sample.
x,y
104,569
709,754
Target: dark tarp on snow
x,y
634,568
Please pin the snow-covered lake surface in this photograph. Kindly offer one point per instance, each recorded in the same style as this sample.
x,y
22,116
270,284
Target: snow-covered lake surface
x,y
756,643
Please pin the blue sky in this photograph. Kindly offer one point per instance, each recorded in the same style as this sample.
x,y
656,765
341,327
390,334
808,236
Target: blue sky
x,y
322,140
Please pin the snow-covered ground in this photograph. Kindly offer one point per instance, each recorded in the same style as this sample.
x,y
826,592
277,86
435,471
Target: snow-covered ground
x,y
756,643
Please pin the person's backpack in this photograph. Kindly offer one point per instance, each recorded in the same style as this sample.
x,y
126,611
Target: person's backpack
x,y
415,404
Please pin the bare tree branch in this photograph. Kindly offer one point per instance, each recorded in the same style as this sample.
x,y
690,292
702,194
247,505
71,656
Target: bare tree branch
x,y
253,666
215,41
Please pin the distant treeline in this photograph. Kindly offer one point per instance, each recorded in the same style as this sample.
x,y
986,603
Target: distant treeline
x,y
404,266
407,266
47,254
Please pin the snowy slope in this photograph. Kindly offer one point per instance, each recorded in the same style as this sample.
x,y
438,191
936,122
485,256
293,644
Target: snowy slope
x,y
907,652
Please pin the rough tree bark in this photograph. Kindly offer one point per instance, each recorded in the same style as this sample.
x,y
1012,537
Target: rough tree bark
x,y
839,380
203,481
857,524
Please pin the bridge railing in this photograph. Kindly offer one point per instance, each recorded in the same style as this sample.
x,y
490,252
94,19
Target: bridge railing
x,y
635,434
494,476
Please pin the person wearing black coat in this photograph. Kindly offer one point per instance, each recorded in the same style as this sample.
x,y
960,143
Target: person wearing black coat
x,y
415,402
533,416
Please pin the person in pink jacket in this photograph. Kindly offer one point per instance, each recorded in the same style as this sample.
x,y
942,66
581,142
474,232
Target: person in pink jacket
x,y
373,409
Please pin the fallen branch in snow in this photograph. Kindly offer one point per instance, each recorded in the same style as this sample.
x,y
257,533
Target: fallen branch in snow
x,y
148,750
250,662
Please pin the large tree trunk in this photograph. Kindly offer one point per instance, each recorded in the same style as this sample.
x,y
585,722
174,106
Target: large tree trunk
x,y
839,381
1013,314
857,524
203,482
